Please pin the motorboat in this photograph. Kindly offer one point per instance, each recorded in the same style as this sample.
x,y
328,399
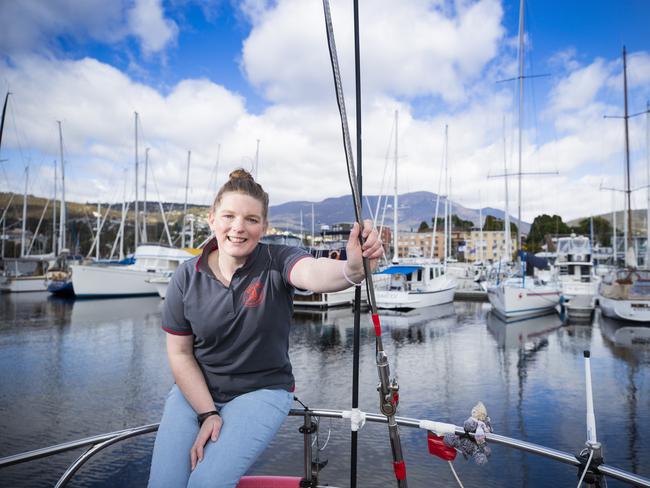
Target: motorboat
x,y
25,274
414,283
577,278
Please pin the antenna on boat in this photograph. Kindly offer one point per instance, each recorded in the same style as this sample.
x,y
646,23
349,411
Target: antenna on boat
x,y
388,389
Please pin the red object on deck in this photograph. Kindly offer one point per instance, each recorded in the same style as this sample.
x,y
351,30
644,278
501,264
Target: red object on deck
x,y
269,482
437,447
400,470
375,321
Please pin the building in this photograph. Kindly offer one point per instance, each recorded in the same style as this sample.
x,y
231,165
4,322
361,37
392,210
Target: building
x,y
465,245
491,248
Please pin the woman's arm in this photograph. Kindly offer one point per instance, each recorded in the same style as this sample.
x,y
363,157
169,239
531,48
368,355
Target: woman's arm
x,y
190,380
327,275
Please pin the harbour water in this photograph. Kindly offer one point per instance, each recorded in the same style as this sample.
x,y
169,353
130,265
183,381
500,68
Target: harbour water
x,y
72,369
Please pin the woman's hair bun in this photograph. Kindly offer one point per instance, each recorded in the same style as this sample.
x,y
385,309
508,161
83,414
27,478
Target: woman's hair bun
x,y
240,174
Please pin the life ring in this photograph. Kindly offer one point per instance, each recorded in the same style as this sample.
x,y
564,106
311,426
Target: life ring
x,y
334,255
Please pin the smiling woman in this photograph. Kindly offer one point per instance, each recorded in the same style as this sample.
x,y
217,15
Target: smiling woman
x,y
227,316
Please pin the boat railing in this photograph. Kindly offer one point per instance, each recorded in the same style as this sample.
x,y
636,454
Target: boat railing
x,y
96,444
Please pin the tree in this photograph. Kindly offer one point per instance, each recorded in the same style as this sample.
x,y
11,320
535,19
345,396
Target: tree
x,y
495,223
545,225
602,230
458,223
424,227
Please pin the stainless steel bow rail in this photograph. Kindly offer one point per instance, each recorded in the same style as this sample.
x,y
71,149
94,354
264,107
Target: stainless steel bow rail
x,y
308,429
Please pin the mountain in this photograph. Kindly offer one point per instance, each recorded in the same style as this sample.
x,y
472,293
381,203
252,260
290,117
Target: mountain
x,y
414,208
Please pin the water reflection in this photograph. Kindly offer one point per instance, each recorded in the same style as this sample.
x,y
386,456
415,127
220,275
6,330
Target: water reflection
x,y
630,342
95,366
518,333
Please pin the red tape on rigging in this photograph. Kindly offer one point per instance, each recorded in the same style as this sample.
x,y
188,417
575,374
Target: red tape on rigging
x,y
375,321
400,470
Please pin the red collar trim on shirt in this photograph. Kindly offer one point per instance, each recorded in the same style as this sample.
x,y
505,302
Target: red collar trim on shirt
x,y
207,249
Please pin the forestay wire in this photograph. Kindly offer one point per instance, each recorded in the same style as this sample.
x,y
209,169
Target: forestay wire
x,y
388,389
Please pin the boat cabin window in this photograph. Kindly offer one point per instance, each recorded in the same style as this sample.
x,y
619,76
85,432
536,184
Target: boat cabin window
x,y
419,275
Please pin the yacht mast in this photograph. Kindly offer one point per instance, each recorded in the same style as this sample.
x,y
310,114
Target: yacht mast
x,y
136,184
647,156
54,213
144,207
628,191
62,217
521,113
187,186
24,229
506,220
395,249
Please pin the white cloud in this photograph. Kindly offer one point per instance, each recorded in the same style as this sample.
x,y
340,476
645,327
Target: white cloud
x,y
36,26
32,24
428,50
147,22
419,49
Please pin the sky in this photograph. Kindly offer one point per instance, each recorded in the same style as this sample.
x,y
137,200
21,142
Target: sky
x,y
214,77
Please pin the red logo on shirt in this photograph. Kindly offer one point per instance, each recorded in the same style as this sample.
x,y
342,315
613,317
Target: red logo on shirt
x,y
254,294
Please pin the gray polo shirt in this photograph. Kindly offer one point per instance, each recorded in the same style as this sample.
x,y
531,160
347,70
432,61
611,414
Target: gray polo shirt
x,y
241,332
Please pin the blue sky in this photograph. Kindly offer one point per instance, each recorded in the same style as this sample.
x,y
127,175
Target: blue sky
x,y
213,77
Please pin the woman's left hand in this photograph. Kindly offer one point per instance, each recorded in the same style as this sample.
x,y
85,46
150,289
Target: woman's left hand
x,y
372,247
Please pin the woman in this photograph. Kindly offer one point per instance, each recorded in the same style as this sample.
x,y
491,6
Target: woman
x,y
227,316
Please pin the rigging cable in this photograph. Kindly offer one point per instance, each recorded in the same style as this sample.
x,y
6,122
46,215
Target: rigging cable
x,y
388,389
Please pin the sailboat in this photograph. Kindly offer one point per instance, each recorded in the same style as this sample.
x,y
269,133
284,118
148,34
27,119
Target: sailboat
x,y
413,282
624,293
518,295
27,272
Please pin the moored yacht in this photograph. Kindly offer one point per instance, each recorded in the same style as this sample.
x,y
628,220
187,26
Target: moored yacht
x,y
130,280
415,283
524,295
576,275
624,294
26,274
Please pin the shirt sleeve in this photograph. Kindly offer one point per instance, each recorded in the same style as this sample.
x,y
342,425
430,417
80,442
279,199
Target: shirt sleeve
x,y
287,257
173,316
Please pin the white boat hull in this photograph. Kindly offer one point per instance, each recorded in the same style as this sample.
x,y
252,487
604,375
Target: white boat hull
x,y
324,300
22,284
517,302
161,283
441,293
107,281
632,310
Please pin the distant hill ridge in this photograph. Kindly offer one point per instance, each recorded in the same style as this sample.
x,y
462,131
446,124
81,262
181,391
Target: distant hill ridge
x,y
414,208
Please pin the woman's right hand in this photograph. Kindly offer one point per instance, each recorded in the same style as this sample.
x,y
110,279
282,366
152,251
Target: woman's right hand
x,y
209,431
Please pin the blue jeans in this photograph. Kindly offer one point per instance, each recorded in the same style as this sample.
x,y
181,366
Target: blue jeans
x,y
250,421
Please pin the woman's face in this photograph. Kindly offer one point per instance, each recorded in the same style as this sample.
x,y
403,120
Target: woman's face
x,y
237,224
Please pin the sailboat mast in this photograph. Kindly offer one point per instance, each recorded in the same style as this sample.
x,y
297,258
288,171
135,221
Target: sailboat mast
x,y
62,218
395,249
54,212
144,207
647,156
24,229
136,184
628,191
187,187
4,112
506,220
521,115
